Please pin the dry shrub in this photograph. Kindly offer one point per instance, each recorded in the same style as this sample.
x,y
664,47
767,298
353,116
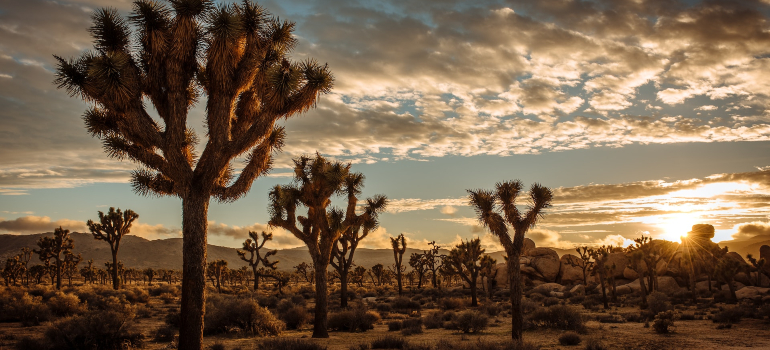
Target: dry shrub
x,y
451,303
728,315
389,342
17,305
485,345
159,289
595,344
404,304
167,298
658,302
103,329
470,321
289,344
570,338
664,321
295,317
65,305
557,317
227,314
355,319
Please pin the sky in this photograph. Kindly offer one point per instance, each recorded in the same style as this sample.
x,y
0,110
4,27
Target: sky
x,y
644,118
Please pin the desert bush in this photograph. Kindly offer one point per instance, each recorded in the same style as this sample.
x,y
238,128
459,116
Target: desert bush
x,y
434,320
289,344
17,305
687,316
99,329
728,315
658,302
527,306
550,301
559,317
611,318
491,309
451,303
537,297
29,343
159,289
268,301
384,307
594,344
355,319
592,302
165,334
408,326
405,304
295,317
469,321
225,314
167,298
65,305
570,338
664,321
389,342
485,345
577,299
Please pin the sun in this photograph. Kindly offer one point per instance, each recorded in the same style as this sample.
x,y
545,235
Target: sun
x,y
676,226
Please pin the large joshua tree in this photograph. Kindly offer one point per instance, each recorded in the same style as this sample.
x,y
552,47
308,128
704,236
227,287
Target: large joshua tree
x,y
316,180
252,246
111,228
232,56
497,210
399,247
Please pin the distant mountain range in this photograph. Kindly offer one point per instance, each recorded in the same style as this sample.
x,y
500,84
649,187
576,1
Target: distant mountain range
x,y
141,253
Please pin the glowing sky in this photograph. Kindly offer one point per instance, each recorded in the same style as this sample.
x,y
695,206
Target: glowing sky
x,y
645,117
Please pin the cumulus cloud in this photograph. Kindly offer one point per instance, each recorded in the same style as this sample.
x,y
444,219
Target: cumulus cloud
x,y
235,235
448,210
751,230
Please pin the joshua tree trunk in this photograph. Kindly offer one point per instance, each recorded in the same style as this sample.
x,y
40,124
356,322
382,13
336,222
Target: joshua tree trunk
x,y
644,291
256,278
604,290
115,280
344,288
320,322
514,274
58,274
194,227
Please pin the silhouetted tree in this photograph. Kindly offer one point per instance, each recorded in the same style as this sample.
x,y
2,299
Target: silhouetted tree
x,y
399,247
636,263
759,267
464,260
726,269
70,265
600,256
255,258
149,273
316,181
485,203
236,55
488,273
53,248
432,260
377,272
111,228
585,262
306,271
357,275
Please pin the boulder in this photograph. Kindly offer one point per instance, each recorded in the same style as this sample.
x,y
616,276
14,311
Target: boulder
x,y
764,253
502,275
743,278
546,262
578,290
737,285
527,246
704,285
620,261
753,293
630,274
570,271
547,288
668,285
623,290
556,294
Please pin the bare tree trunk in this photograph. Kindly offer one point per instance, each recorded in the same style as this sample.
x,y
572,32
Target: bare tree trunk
x,y
320,323
58,274
514,277
194,226
644,291
604,290
115,280
474,301
256,278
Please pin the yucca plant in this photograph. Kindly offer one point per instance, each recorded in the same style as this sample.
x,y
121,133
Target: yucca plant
x,y
232,57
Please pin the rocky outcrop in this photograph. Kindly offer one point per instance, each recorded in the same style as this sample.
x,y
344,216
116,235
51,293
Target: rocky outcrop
x,y
544,261
548,288
753,293
619,261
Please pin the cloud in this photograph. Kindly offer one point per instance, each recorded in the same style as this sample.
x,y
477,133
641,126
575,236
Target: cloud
x,y
448,210
751,230
234,236
410,204
38,224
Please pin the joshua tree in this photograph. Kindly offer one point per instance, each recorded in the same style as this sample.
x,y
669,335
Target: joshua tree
x,y
255,258
357,275
345,247
486,204
488,273
600,256
149,273
585,262
70,265
399,247
217,272
758,265
417,262
376,273
464,260
235,57
306,271
726,269
13,271
53,248
316,181
432,260
636,263
37,272
111,228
